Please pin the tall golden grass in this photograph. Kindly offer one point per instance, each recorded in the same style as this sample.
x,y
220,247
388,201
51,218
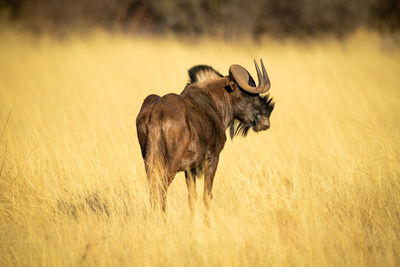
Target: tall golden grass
x,y
320,188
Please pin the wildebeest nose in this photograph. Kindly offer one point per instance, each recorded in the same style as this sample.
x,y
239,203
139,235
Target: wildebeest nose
x,y
266,123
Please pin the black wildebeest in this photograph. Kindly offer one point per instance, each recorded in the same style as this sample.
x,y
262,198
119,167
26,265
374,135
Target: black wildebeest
x,y
186,132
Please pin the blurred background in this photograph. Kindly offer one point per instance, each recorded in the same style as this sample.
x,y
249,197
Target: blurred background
x,y
226,18
320,188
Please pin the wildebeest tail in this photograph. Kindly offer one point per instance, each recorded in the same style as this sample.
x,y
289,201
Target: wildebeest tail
x,y
156,165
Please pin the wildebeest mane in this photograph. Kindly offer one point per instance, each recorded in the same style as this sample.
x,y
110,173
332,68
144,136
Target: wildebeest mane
x,y
200,73
269,102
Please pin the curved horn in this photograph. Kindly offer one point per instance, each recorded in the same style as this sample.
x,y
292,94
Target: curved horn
x,y
242,77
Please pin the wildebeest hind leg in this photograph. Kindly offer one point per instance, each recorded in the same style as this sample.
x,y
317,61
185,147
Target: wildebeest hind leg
x,y
190,177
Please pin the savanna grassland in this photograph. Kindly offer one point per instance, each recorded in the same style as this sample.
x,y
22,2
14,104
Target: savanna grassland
x,y
320,188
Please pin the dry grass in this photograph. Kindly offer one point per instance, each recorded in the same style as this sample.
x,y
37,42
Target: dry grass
x,y
321,187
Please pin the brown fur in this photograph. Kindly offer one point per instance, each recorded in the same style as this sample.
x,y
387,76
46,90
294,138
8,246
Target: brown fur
x,y
186,132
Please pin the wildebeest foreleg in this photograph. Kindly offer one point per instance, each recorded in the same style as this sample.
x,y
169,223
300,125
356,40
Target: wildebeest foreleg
x,y
190,176
210,167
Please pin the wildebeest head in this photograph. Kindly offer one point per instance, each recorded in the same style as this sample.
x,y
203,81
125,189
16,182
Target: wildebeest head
x,y
251,109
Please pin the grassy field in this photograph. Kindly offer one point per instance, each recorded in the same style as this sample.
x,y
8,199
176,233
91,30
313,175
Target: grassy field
x,y
320,188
